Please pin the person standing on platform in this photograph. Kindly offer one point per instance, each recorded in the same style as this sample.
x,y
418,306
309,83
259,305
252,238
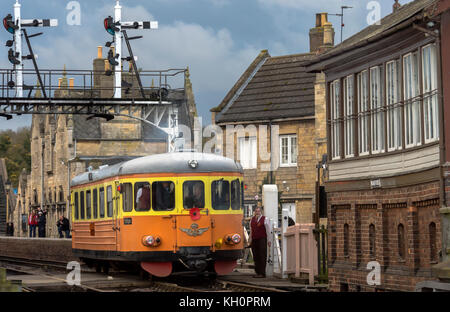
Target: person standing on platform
x,y
42,221
259,227
32,222
63,227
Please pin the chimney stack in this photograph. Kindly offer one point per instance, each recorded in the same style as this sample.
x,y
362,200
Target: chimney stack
x,y
321,37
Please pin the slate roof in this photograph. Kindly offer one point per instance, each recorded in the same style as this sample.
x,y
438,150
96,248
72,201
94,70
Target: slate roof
x,y
271,88
374,31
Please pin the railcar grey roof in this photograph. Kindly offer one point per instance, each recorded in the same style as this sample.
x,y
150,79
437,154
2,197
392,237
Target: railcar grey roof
x,y
163,163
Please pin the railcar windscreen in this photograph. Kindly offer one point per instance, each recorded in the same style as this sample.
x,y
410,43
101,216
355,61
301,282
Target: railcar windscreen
x,y
193,194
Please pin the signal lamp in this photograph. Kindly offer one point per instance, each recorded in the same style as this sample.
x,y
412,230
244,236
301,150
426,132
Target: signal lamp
x,y
233,239
9,43
110,26
112,59
9,24
12,57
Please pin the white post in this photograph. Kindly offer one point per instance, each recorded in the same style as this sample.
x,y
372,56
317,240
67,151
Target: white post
x,y
270,251
18,49
284,226
118,40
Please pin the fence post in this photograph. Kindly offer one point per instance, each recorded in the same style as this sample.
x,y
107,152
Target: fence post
x,y
284,226
270,250
297,250
311,255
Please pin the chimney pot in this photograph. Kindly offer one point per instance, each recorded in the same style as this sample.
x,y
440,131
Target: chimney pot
x,y
71,82
99,52
59,82
396,6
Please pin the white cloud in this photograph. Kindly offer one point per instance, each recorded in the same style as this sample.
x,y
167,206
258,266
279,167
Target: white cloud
x,y
301,4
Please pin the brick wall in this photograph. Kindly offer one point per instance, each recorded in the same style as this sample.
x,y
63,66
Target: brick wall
x,y
416,208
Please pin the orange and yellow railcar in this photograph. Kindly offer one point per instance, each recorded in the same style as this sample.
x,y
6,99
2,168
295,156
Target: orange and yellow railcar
x,y
166,212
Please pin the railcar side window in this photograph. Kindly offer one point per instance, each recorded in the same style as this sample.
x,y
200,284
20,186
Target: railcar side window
x,y
95,205
142,196
163,196
220,194
235,195
76,205
193,194
88,204
109,201
102,202
127,197
82,205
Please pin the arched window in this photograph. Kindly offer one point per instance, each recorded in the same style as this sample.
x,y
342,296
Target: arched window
x,y
61,194
346,239
401,241
372,251
433,248
35,197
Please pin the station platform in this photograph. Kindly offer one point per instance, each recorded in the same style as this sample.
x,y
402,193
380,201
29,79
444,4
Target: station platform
x,y
45,249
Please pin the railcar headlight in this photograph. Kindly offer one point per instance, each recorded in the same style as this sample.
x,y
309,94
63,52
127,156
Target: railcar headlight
x,y
236,238
151,241
233,239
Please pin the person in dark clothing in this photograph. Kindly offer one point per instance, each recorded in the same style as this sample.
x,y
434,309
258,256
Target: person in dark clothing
x,y
63,227
259,227
164,197
42,221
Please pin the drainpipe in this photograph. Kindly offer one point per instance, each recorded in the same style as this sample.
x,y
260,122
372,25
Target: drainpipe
x,y
69,161
42,175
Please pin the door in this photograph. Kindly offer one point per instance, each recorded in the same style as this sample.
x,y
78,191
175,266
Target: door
x,y
116,209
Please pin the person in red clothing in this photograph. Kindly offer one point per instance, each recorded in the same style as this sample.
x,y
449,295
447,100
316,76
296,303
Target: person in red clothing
x,y
259,227
32,222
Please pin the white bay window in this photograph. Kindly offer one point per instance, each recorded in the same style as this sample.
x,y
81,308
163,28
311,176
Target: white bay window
x,y
411,100
363,113
429,80
335,111
376,105
394,122
348,117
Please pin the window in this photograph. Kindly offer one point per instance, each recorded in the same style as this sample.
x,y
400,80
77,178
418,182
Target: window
x,y
288,150
433,248
76,206
163,196
346,239
235,195
377,111
193,194
88,204
102,202
412,103
394,129
335,121
95,206
109,201
401,241
348,117
372,240
220,194
363,113
247,152
430,108
81,205
127,197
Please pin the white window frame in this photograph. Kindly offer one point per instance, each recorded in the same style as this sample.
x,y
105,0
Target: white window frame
x,y
363,112
335,114
348,97
412,107
393,109
248,152
290,162
430,99
376,108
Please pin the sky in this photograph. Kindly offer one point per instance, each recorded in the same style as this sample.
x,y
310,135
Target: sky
x,y
216,39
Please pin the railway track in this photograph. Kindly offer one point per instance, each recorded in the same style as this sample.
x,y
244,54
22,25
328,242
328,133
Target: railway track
x,y
133,283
